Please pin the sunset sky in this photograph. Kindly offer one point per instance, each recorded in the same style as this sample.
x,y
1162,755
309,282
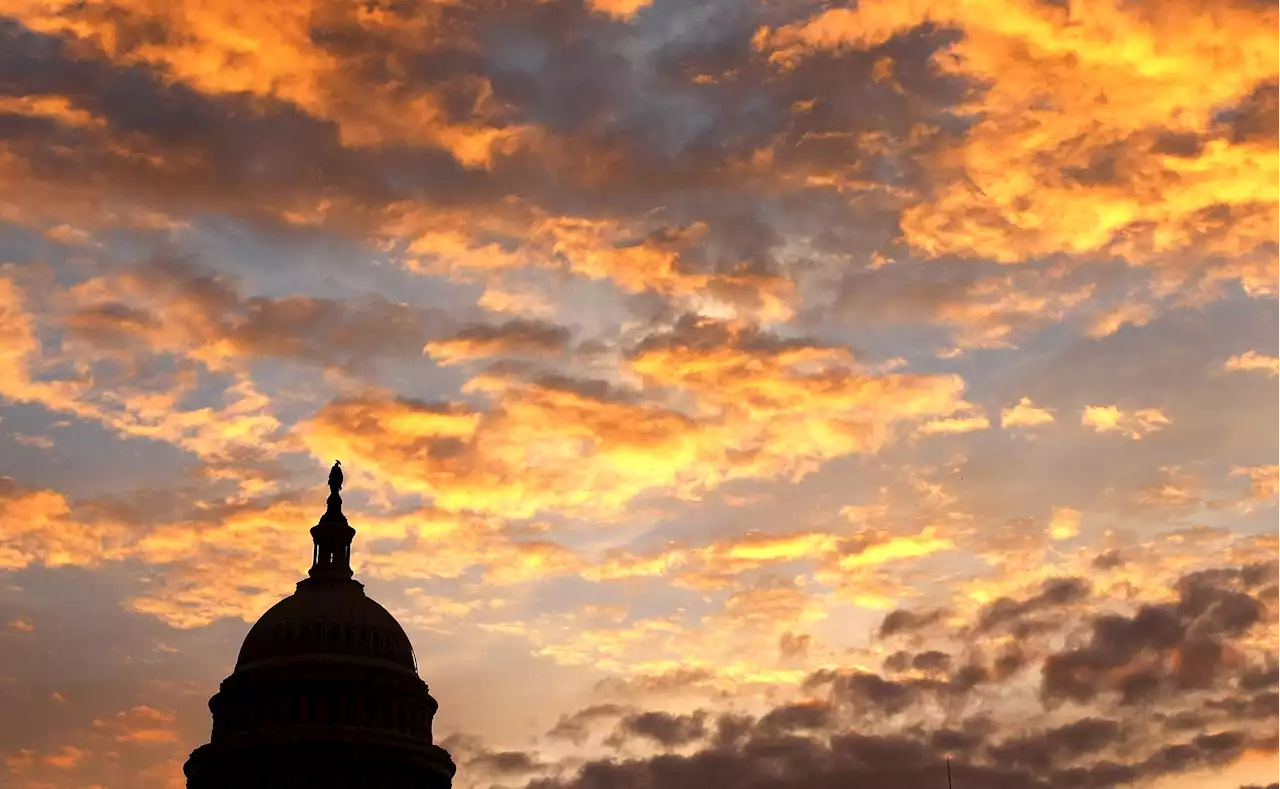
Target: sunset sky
x,y
732,393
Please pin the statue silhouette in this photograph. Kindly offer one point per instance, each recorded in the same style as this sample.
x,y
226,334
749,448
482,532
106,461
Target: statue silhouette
x,y
335,477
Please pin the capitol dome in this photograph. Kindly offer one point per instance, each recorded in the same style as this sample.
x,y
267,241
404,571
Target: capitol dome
x,y
327,620
325,693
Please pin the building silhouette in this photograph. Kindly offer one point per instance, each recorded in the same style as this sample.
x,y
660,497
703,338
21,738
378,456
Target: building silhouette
x,y
325,693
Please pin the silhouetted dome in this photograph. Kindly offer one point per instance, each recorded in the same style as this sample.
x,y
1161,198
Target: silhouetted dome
x,y
327,619
325,693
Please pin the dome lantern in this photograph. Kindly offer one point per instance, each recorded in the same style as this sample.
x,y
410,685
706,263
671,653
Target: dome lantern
x,y
331,537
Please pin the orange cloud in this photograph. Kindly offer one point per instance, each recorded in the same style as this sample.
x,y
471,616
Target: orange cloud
x,y
517,301
1253,362
1264,481
129,405
896,548
257,545
515,337
1127,314
67,757
1050,167
954,425
1136,424
619,9
987,313
1025,414
1065,523
634,256
41,530
747,410
270,52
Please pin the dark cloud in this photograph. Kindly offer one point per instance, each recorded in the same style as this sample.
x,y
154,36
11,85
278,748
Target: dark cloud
x,y
667,131
233,153
1010,614
516,337
183,296
903,621
794,717
577,727
930,661
1192,637
506,762
794,644
1041,752
766,758
665,729
864,693
1108,560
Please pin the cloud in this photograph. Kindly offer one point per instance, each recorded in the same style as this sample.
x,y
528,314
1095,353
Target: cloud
x,y
1264,481
702,268
1045,168
664,729
1065,523
1163,647
898,738
180,307
1136,424
1011,614
1025,414
1253,362
51,531
619,9
42,530
717,404
515,337
954,425
982,311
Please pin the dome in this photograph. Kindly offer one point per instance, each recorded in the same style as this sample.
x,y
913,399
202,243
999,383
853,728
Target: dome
x,y
325,693
327,619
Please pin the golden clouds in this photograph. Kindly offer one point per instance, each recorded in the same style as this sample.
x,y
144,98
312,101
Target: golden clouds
x,y
55,107
261,559
131,404
19,351
1264,481
896,548
1095,130
1253,362
260,550
1025,414
954,425
143,724
270,51
39,529
851,563
719,403
66,757
635,256
1135,424
1065,523
515,337
619,9
106,753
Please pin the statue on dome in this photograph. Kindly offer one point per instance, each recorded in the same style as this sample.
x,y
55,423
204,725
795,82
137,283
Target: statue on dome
x,y
335,477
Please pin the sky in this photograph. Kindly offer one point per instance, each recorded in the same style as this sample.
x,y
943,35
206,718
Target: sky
x,y
752,393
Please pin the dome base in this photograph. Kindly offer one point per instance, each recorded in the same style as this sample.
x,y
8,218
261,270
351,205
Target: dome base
x,y
330,763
